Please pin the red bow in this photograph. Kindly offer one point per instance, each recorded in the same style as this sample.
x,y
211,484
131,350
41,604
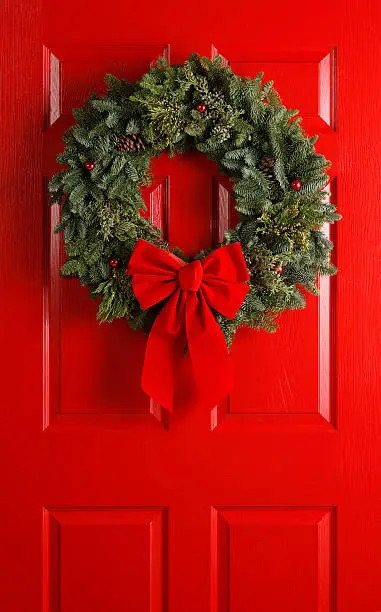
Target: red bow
x,y
186,320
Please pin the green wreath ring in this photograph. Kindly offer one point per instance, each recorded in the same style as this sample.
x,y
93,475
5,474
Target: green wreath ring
x,y
238,122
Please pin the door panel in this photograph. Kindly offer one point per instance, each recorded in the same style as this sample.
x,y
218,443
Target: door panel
x,y
104,559
271,500
72,71
306,79
281,556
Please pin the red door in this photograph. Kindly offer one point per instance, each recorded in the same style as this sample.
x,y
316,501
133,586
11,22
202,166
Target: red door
x,y
269,503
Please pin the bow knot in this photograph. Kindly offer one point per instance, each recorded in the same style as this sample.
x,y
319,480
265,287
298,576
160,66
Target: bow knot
x,y
190,276
189,292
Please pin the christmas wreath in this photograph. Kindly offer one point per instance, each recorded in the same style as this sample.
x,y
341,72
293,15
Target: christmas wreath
x,y
277,185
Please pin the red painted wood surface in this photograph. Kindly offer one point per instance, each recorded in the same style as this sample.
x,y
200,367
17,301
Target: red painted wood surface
x,y
271,501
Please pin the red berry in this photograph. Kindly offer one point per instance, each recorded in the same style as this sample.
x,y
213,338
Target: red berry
x,y
90,165
201,108
279,270
296,185
113,261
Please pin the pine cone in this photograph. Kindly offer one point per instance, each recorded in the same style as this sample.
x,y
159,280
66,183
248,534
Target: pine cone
x,y
267,165
130,142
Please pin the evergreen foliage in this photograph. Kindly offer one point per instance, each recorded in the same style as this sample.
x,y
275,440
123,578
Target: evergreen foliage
x,y
244,123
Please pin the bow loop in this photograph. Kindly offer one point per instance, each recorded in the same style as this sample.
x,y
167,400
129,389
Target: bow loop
x,y
188,292
225,276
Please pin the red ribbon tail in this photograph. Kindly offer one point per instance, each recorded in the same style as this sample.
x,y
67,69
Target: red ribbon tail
x,y
165,348
207,348
208,351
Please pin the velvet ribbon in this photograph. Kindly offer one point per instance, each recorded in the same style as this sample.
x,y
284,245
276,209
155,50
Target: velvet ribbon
x,y
186,321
